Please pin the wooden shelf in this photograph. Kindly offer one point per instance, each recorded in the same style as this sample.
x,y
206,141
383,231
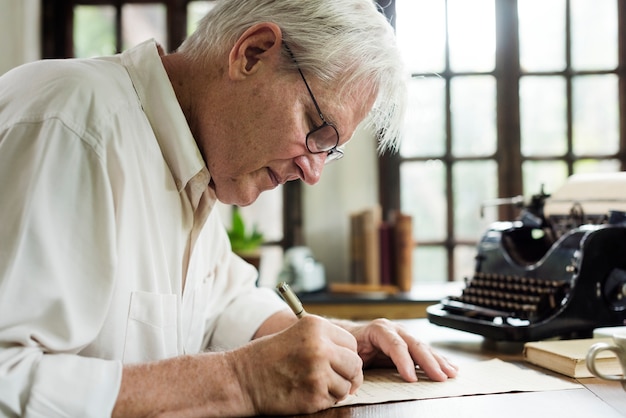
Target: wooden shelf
x,y
372,305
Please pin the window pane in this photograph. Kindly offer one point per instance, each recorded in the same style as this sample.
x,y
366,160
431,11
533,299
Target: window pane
x,y
422,192
594,34
471,28
549,174
542,34
196,11
143,21
473,121
474,183
596,114
420,28
430,264
425,126
94,31
465,260
543,116
596,166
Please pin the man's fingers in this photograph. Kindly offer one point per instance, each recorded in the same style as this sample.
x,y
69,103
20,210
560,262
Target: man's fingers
x,y
339,386
338,348
395,347
405,351
349,367
436,366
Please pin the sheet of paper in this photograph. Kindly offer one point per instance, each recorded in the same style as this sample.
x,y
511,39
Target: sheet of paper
x,y
484,377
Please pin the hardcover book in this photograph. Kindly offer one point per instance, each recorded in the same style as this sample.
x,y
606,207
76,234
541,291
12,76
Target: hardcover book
x,y
568,356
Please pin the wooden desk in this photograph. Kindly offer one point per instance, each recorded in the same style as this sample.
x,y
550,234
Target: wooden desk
x,y
597,398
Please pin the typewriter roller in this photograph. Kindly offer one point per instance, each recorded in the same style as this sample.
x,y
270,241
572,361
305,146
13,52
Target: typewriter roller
x,y
557,271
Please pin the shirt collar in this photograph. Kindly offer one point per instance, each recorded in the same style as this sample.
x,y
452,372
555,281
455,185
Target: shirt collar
x,y
160,105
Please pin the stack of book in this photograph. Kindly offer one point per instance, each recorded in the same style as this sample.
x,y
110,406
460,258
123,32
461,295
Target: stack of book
x,y
381,250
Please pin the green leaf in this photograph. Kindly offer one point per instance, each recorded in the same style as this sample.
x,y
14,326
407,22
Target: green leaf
x,y
240,241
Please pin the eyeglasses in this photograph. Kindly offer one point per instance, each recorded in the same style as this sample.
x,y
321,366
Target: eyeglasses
x,y
325,137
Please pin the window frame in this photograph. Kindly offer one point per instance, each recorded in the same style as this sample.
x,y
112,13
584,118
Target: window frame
x,y
57,23
508,155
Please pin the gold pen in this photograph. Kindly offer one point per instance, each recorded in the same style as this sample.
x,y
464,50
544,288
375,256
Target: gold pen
x,y
292,300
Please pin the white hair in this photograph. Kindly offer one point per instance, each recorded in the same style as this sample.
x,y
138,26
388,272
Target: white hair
x,y
346,44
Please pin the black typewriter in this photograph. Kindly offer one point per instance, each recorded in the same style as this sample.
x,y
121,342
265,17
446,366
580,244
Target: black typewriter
x,y
544,275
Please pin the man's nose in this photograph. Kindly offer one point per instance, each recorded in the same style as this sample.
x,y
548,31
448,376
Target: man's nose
x,y
312,166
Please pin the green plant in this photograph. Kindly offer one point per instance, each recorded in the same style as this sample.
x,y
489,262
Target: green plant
x,y
241,240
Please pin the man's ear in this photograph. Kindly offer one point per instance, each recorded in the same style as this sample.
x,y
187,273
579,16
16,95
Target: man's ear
x,y
259,44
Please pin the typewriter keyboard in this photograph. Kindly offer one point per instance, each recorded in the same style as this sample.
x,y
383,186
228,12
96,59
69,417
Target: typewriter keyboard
x,y
491,296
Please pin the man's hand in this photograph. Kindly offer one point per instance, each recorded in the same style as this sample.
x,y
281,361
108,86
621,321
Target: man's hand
x,y
381,340
305,368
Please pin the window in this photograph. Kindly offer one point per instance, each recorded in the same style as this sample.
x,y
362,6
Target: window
x,y
95,27
102,29
505,97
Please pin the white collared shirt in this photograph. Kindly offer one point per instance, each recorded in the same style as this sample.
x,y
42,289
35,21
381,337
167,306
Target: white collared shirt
x,y
110,251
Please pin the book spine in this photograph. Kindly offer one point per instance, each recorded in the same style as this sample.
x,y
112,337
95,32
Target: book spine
x,y
371,219
386,253
403,251
356,250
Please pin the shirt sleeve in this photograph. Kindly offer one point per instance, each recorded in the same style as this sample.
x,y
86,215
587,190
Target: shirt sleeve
x,y
55,279
55,391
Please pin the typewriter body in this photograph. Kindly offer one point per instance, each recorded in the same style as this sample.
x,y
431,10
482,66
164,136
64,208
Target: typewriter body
x,y
559,270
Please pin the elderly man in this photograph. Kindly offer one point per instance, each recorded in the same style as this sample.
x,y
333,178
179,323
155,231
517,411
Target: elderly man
x,y
119,294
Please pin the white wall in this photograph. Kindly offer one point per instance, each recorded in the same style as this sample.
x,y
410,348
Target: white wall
x,y
346,186
20,26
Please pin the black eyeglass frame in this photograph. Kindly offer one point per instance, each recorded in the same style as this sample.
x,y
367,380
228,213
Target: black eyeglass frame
x,y
333,152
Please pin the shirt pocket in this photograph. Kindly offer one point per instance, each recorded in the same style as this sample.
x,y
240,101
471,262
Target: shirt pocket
x,y
151,331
